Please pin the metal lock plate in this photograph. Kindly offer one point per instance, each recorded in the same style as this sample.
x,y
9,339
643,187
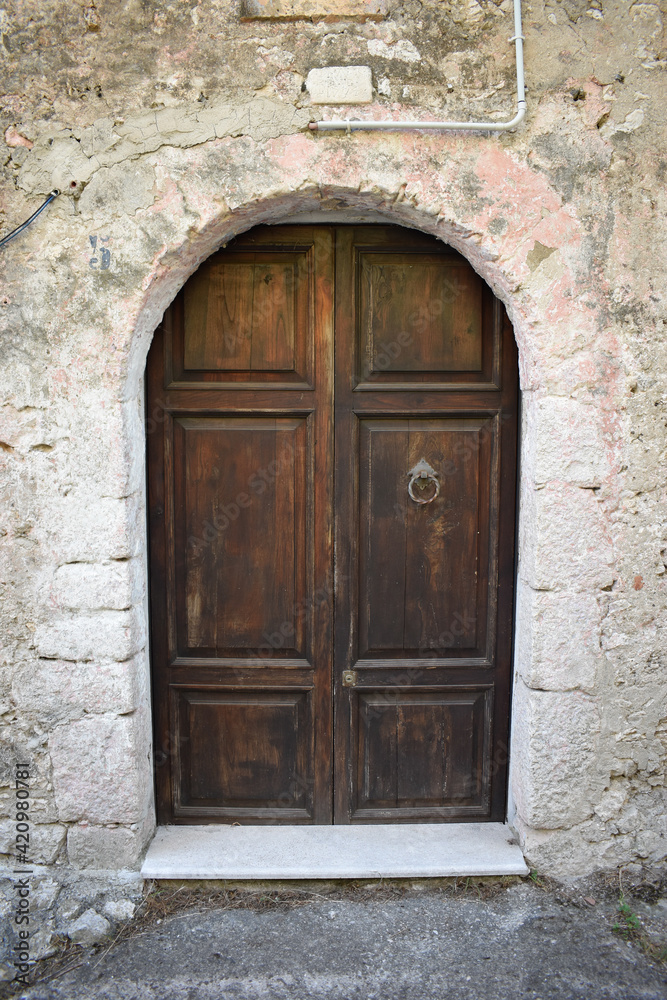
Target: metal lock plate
x,y
349,678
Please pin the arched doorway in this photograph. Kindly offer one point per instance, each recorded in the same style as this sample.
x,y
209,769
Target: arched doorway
x,y
332,510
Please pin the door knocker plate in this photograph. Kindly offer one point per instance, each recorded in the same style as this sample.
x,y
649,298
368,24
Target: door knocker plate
x,y
422,473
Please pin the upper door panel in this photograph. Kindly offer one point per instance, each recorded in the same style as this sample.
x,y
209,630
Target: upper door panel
x,y
423,319
246,318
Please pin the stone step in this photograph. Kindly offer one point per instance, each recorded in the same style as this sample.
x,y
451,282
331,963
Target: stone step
x,y
423,850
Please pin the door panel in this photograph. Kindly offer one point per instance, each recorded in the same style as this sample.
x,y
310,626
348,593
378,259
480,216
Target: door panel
x,y
241,312
242,490
423,570
247,317
262,742
422,315
267,708
422,752
421,319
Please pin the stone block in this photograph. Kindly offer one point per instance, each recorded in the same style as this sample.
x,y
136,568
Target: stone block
x,y
55,691
611,803
312,10
568,442
568,852
564,541
340,85
46,841
87,527
116,465
554,754
68,908
651,844
103,847
402,50
114,586
113,635
558,639
43,943
89,929
119,910
44,893
100,769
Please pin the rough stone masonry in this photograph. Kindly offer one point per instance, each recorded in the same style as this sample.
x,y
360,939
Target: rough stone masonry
x,y
171,127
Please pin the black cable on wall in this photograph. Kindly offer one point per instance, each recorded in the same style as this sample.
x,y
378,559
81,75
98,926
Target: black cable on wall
x,y
24,225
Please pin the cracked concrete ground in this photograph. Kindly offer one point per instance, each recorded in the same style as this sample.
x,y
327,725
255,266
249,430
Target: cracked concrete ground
x,y
419,943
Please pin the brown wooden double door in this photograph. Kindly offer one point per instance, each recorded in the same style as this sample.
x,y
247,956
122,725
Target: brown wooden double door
x,y
332,422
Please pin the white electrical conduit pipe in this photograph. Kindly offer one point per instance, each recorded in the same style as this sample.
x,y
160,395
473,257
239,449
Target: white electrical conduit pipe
x,y
378,126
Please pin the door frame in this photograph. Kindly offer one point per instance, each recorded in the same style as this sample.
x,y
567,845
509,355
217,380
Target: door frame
x,y
494,763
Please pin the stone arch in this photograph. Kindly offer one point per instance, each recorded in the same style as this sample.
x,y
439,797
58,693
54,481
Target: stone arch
x,y
516,233
180,262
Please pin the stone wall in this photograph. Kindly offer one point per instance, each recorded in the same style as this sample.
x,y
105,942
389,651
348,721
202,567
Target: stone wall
x,y
169,129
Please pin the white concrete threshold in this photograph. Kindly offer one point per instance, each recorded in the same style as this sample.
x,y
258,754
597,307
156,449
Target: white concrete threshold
x,y
422,850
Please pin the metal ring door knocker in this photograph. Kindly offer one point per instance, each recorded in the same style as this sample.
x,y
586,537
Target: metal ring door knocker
x,y
421,473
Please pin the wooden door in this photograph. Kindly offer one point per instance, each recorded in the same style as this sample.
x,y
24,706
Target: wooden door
x,y
239,399
250,683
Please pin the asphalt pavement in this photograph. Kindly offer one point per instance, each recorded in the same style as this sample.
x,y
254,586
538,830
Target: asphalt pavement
x,y
414,943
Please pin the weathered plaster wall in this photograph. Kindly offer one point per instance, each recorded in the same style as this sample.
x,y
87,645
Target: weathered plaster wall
x,y
172,127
